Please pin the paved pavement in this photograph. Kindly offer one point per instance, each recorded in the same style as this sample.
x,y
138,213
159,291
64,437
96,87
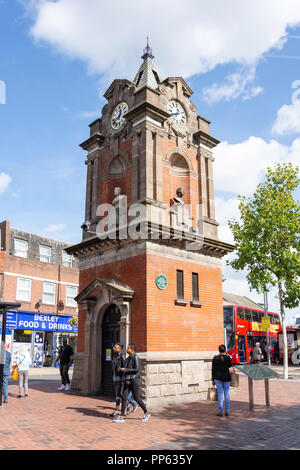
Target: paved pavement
x,y
49,419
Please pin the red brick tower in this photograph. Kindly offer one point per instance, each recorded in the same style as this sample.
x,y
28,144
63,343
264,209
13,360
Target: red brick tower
x,y
157,291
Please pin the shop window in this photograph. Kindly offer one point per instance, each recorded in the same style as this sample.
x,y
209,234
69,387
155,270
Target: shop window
x,y
45,253
23,289
22,336
21,248
49,290
71,292
180,288
67,260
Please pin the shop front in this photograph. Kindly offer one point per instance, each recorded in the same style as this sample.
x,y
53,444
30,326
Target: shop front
x,y
42,333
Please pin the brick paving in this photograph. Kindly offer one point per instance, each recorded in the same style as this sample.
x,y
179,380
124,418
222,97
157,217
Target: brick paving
x,y
50,419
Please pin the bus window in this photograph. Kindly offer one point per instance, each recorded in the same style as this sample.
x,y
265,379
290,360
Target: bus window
x,y
240,313
241,346
272,320
260,315
277,319
255,315
247,314
229,327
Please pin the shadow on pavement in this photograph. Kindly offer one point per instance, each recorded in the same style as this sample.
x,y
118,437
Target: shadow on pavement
x,y
244,429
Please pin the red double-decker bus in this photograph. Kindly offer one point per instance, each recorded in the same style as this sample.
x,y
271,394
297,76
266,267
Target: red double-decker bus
x,y
243,328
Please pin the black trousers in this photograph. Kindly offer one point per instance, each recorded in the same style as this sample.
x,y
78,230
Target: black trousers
x,y
134,386
64,369
118,393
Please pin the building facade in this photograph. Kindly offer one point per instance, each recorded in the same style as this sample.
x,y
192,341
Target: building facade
x,y
158,281
38,273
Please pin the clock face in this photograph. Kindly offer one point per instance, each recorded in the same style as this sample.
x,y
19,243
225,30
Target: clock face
x,y
117,117
177,113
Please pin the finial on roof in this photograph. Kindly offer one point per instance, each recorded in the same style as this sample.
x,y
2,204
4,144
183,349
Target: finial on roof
x,y
147,52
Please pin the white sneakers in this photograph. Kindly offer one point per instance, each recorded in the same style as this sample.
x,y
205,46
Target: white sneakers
x,y
65,387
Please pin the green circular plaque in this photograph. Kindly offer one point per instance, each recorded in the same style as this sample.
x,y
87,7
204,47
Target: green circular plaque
x,y
161,281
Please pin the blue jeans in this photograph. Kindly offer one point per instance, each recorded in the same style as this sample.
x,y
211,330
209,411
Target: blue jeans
x,y
129,399
223,387
5,387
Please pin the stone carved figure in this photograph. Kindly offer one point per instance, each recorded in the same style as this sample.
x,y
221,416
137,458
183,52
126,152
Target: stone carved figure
x,y
116,201
179,196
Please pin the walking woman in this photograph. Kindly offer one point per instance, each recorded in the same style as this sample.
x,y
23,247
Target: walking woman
x,y
221,378
131,383
23,361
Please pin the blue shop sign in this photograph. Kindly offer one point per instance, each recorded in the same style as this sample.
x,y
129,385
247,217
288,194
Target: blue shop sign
x,y
40,322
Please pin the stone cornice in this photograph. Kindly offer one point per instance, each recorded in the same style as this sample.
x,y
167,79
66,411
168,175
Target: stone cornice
x,y
175,238
202,138
147,108
96,139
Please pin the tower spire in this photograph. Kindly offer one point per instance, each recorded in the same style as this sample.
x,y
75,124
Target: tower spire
x,y
147,53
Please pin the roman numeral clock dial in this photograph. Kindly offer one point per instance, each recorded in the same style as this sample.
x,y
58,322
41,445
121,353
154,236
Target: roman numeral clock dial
x,y
177,113
117,117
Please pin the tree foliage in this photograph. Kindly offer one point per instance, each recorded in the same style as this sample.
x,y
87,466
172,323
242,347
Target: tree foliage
x,y
267,237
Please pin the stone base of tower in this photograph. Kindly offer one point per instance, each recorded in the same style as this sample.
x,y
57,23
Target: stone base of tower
x,y
170,378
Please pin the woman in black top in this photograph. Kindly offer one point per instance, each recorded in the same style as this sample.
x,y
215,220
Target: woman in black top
x,y
221,378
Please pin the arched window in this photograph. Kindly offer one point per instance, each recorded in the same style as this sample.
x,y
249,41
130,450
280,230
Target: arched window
x,y
179,164
116,167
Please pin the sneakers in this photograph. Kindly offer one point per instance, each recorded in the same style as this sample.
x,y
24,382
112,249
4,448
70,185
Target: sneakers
x,y
114,414
26,396
62,387
68,387
119,419
146,417
220,414
135,408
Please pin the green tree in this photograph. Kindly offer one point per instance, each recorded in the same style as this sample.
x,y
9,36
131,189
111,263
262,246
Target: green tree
x,y
267,240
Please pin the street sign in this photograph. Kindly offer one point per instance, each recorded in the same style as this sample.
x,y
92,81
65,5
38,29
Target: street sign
x,y
265,323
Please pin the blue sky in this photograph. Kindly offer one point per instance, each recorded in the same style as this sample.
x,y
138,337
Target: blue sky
x,y
56,66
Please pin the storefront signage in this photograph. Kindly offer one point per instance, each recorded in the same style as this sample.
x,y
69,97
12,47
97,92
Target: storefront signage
x,y
40,322
161,281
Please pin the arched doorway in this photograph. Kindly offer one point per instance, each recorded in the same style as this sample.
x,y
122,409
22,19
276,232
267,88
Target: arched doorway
x,y
110,335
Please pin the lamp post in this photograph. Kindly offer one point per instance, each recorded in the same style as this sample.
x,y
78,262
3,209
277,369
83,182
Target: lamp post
x,y
4,306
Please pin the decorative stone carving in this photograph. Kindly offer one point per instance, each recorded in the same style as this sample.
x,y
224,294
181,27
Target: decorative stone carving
x,y
179,196
117,200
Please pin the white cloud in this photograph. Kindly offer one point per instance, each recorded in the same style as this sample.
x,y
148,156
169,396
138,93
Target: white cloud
x,y
188,37
4,182
55,228
235,85
288,116
240,167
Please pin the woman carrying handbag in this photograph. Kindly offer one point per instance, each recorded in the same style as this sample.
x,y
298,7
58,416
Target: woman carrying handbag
x,y
221,378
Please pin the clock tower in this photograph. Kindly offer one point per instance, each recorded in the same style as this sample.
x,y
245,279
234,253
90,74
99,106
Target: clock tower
x,y
150,257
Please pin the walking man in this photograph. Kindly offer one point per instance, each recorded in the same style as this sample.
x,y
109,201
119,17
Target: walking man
x,y
64,357
131,382
118,362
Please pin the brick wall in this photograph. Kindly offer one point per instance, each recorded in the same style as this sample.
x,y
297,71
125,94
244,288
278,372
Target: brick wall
x,y
20,267
157,324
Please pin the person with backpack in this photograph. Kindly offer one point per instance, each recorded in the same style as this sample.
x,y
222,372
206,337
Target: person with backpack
x,y
131,381
221,378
